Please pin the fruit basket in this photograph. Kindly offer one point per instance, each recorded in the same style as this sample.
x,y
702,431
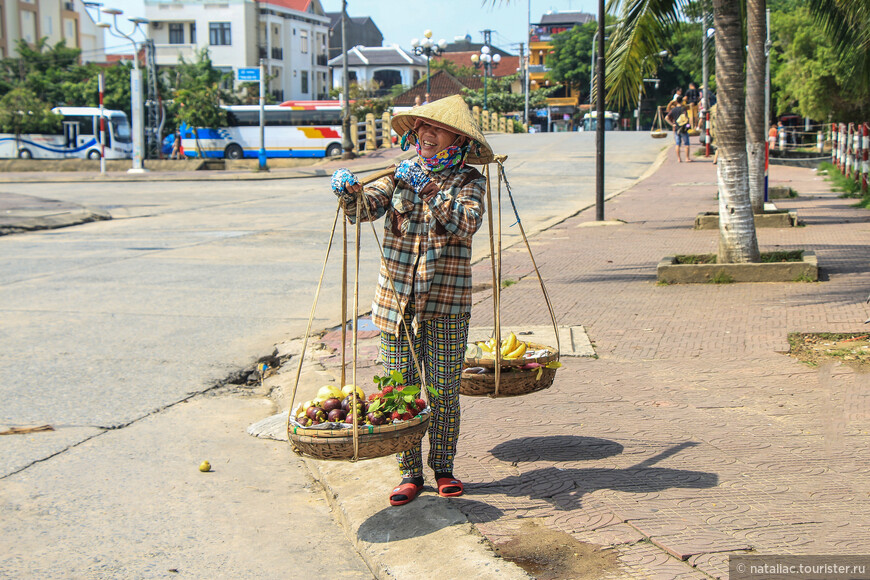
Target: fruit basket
x,y
389,421
658,134
657,131
533,370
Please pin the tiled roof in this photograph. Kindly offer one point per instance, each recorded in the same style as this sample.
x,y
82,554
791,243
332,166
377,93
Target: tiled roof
x,y
507,66
300,5
442,84
567,18
378,55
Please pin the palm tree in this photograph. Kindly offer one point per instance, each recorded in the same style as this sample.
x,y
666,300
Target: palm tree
x,y
847,23
756,131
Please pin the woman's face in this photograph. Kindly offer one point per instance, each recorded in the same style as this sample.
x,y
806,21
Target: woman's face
x,y
433,138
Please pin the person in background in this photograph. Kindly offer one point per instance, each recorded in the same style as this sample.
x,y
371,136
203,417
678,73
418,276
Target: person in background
x,y
679,120
432,207
772,135
177,151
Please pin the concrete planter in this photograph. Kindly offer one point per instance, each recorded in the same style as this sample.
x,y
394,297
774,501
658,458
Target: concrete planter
x,y
769,219
807,269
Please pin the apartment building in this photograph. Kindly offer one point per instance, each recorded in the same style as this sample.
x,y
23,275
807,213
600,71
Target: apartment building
x,y
55,20
291,36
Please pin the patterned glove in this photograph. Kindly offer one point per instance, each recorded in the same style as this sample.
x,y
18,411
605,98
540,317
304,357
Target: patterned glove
x,y
340,180
413,175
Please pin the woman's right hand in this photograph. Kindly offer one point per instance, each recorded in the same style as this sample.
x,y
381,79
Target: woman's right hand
x,y
345,184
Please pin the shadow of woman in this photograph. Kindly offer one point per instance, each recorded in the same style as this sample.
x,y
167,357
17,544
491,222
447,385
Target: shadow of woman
x,y
556,448
565,488
425,515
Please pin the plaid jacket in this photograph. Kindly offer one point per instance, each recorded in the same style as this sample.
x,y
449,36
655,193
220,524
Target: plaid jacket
x,y
430,238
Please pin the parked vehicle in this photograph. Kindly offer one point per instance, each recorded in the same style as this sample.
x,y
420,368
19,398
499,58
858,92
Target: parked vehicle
x,y
292,129
80,137
611,121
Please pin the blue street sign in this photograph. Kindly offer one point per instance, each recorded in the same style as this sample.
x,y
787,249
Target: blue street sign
x,y
249,74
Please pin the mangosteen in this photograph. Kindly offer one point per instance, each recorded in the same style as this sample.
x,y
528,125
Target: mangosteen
x,y
316,414
337,415
376,418
329,404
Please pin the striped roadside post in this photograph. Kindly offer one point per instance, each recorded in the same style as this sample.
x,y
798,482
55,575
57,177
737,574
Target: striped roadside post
x,y
706,132
835,145
850,140
865,151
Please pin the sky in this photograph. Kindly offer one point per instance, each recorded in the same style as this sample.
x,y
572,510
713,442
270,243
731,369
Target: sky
x,y
400,21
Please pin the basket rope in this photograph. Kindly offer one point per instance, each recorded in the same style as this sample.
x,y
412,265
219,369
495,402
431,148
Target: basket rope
x,y
341,206
495,259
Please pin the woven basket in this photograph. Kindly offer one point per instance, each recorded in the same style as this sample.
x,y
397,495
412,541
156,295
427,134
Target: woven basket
x,y
658,134
511,384
374,441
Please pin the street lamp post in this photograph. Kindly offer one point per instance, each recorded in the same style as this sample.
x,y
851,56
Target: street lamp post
x,y
662,54
488,61
135,83
428,48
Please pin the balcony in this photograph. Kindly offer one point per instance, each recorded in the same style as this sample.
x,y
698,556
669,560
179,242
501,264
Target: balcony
x,y
538,69
168,54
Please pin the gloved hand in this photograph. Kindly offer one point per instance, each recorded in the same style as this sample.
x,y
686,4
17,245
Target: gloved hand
x,y
413,175
341,179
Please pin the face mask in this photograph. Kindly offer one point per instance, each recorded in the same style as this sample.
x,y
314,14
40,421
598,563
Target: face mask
x,y
452,155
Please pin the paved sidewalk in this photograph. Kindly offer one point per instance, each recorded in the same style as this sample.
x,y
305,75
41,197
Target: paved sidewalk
x,y
692,436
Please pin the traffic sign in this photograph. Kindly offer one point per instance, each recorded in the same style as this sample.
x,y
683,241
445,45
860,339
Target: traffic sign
x,y
249,74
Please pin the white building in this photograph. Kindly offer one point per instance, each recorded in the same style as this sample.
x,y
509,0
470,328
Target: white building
x,y
290,35
387,65
55,20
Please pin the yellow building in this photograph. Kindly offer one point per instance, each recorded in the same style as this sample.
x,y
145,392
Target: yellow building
x,y
54,20
565,101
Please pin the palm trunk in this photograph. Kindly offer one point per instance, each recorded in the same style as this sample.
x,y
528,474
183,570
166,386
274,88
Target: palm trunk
x,y
737,241
755,121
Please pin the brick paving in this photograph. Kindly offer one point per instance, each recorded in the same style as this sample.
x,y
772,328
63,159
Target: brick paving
x,y
692,436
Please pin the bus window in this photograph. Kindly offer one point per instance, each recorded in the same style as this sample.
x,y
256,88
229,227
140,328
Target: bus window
x,y
121,129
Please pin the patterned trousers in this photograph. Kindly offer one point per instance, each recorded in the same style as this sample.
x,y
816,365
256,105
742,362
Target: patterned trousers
x,y
440,348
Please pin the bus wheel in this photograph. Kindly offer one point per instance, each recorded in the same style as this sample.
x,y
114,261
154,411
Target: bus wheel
x,y
25,154
333,150
233,151
93,154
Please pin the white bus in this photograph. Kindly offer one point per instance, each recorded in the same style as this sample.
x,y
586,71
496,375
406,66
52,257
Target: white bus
x,y
292,129
611,121
80,137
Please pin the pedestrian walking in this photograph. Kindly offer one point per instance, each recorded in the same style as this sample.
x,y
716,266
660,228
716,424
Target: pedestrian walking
x,y
679,119
177,150
772,135
432,207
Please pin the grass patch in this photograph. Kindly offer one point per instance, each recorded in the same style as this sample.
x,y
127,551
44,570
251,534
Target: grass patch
x,y
766,257
849,187
804,278
721,278
852,349
695,259
507,283
782,256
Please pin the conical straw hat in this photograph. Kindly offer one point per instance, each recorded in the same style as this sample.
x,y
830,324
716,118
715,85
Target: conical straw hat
x,y
453,114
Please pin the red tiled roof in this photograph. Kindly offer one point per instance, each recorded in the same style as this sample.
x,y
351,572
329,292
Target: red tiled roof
x,y
507,66
442,84
300,5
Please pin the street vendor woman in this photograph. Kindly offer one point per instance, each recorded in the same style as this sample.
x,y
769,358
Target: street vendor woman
x,y
432,206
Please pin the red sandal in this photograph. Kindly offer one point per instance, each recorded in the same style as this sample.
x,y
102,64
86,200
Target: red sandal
x,y
408,490
446,483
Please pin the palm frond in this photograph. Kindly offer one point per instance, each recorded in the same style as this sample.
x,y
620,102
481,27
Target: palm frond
x,y
847,23
642,26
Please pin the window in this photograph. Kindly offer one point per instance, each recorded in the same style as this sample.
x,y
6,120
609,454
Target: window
x,y
219,34
193,33
176,33
303,37
305,82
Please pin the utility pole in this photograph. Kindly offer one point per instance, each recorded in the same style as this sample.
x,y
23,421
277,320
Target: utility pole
x,y
706,83
600,121
345,121
525,70
153,137
528,61
766,105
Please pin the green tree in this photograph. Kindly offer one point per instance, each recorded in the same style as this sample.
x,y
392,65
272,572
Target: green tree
x,y
570,62
451,67
22,112
808,74
500,99
847,24
199,108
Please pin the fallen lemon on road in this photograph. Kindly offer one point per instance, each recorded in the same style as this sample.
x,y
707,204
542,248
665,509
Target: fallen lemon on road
x,y
205,466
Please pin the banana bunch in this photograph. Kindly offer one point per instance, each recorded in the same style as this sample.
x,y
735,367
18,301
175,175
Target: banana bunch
x,y
510,348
